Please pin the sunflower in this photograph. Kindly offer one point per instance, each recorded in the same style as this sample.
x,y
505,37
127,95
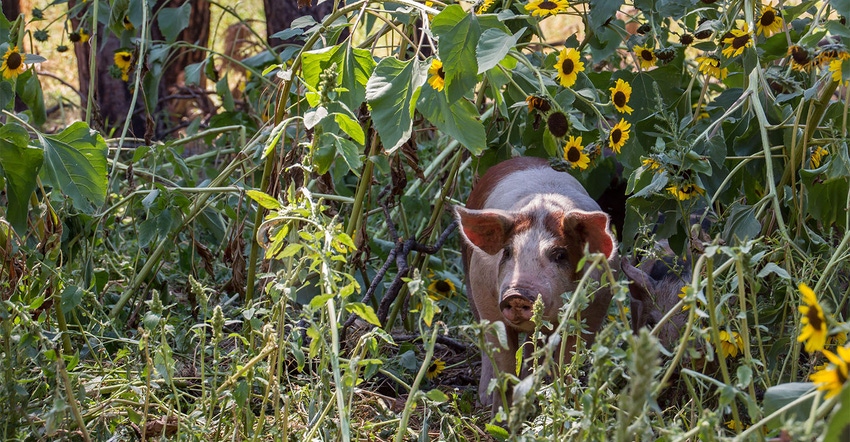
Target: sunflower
x,y
769,23
682,294
438,77
574,154
701,113
737,39
831,51
441,288
13,63
538,102
651,164
801,59
813,320
686,39
619,135
128,25
558,124
620,94
832,379
646,56
437,366
569,64
710,65
543,8
685,190
484,6
730,343
817,156
84,35
836,67
124,61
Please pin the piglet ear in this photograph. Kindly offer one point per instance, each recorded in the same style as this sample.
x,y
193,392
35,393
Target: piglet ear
x,y
486,229
591,228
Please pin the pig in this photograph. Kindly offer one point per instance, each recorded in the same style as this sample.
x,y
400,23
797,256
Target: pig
x,y
525,228
654,290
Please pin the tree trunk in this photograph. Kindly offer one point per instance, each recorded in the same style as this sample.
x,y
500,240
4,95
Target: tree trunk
x,y
11,9
281,13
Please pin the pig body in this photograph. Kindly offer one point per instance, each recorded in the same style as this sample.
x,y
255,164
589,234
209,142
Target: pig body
x,y
525,228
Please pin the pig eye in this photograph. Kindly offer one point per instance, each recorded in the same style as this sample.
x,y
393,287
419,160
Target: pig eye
x,y
507,254
559,255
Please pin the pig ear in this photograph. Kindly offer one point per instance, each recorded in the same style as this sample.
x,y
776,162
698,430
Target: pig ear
x,y
641,283
592,228
486,229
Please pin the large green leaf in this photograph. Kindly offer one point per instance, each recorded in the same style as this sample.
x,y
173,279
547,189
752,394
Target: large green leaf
x,y
494,46
781,395
391,93
838,428
458,120
75,163
458,33
601,11
354,67
20,165
29,90
172,21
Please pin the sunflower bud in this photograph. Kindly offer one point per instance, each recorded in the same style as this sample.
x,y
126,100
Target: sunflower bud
x,y
41,35
558,124
644,28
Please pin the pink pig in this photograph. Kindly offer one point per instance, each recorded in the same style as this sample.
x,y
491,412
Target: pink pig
x,y
525,228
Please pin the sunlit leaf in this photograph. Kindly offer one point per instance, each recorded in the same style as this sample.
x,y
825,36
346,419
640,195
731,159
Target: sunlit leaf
x,y
392,92
19,164
458,32
75,163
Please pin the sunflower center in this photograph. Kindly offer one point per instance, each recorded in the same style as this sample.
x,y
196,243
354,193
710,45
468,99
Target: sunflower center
x,y
442,286
14,61
548,5
441,74
126,57
432,368
619,99
573,154
647,55
814,318
767,18
740,41
568,66
616,135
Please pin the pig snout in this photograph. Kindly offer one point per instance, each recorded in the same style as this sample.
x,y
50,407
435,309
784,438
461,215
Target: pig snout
x,y
516,305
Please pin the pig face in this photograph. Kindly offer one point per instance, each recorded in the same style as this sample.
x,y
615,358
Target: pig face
x,y
534,252
654,290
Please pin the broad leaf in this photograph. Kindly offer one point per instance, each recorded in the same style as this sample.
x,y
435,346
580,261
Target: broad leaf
x,y
75,163
459,33
364,311
493,46
28,89
264,199
172,21
601,12
392,92
354,67
458,120
781,395
20,165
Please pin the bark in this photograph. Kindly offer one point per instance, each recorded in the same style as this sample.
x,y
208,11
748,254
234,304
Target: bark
x,y
281,13
11,9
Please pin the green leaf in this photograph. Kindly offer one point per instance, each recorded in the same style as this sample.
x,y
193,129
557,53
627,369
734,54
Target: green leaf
x,y
458,120
7,94
601,12
365,312
351,127
71,298
458,32
20,165
192,75
75,163
838,428
28,89
493,46
781,395
354,67
437,396
350,154
742,225
264,199
497,432
172,21
392,92
222,88
841,6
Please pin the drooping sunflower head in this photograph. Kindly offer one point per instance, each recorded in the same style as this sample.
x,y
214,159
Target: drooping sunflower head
x,y
831,379
813,320
620,95
817,156
829,51
484,7
619,135
568,65
437,366
801,58
544,8
128,25
710,65
685,190
574,154
558,124
538,102
730,343
13,63
737,40
437,78
84,35
645,55
652,164
769,22
686,39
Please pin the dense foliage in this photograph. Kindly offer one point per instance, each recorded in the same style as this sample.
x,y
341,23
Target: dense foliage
x,y
282,265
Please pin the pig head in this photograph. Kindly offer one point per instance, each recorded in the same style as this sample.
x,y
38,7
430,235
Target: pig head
x,y
525,228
